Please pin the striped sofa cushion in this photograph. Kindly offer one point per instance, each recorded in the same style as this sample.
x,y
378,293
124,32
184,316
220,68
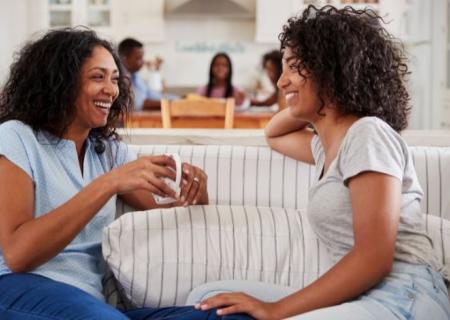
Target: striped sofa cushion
x,y
433,170
159,256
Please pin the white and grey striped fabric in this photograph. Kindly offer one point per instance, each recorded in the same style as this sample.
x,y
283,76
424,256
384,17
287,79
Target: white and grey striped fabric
x,y
260,177
159,256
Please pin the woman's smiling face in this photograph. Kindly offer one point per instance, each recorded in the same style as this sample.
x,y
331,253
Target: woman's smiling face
x,y
300,90
98,89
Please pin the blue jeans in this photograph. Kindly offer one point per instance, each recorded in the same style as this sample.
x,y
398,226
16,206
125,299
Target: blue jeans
x,y
25,296
409,292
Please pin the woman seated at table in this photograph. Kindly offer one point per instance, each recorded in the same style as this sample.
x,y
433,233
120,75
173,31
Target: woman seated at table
x,y
220,80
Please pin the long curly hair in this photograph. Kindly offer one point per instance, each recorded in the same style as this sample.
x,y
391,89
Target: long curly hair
x,y
44,82
355,62
229,91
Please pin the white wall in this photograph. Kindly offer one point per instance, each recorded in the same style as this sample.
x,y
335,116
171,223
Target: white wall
x,y
13,31
190,45
19,21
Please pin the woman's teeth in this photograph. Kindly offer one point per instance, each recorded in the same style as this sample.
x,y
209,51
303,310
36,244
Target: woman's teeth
x,y
290,95
103,105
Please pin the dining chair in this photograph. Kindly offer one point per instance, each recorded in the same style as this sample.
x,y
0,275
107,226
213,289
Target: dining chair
x,y
200,112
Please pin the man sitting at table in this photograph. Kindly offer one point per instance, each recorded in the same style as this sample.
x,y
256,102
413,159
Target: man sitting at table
x,y
131,53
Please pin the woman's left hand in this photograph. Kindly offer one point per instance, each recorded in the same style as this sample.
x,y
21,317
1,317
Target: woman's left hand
x,y
238,302
193,185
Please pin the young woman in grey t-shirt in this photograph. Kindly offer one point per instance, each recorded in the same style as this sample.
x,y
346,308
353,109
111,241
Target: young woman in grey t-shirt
x,y
344,82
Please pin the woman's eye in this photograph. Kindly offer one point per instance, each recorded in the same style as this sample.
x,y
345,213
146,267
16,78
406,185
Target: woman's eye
x,y
115,80
97,77
293,67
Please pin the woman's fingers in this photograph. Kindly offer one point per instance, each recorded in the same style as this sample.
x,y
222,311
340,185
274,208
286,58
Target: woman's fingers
x,y
193,191
162,160
161,171
187,179
219,300
201,188
194,184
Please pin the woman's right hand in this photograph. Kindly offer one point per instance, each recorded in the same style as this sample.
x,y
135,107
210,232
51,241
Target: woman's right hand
x,y
145,173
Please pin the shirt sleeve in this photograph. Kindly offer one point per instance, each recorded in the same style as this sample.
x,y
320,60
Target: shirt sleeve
x,y
373,146
12,145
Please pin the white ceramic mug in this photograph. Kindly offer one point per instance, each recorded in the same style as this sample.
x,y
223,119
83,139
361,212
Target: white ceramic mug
x,y
174,185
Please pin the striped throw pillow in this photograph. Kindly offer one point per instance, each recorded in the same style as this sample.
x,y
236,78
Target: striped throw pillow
x,y
159,256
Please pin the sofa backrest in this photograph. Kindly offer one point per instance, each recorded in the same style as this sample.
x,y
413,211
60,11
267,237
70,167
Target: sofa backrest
x,y
259,176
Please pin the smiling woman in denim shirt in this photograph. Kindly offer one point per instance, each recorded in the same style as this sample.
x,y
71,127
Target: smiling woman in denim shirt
x,y
62,166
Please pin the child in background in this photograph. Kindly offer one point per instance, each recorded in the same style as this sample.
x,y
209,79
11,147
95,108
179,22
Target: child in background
x,y
220,80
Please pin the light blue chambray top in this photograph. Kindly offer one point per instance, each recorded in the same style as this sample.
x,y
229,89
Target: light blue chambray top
x,y
56,175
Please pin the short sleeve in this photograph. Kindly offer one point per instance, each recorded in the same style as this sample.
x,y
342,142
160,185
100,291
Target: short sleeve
x,y
13,139
373,146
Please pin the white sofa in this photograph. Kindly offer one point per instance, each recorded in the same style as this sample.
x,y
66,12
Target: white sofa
x,y
248,174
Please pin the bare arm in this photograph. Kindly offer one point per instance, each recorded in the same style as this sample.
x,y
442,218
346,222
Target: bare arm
x,y
28,242
290,136
375,222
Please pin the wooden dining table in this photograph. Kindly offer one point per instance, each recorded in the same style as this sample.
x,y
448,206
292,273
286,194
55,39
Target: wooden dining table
x,y
249,119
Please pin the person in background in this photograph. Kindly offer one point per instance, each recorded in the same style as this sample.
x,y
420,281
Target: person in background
x,y
271,64
220,83
131,53
154,76
62,167
345,75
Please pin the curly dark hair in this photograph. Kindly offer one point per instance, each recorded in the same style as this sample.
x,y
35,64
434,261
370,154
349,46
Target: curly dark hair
x,y
44,82
229,91
355,62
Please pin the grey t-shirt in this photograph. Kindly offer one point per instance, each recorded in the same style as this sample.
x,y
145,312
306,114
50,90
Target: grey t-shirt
x,y
370,144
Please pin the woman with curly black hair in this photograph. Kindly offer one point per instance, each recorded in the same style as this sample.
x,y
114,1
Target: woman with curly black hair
x,y
344,82
62,166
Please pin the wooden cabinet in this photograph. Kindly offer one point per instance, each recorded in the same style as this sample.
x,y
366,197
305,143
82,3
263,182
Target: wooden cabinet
x,y
96,14
113,19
